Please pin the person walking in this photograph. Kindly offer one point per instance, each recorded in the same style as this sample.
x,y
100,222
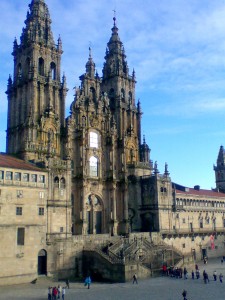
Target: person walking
x,y
221,277
197,274
184,294
67,283
59,291
63,293
49,293
215,275
204,276
185,273
87,282
135,278
192,275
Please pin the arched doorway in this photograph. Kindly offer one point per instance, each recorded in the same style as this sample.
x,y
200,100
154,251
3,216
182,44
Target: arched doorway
x,y
42,262
94,210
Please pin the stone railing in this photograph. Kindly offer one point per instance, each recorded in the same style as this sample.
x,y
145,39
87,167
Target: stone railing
x,y
112,258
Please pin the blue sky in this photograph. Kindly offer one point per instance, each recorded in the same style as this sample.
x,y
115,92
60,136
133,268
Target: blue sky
x,y
177,49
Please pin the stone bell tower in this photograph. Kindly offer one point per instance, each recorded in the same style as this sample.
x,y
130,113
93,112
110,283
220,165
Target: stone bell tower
x,y
220,170
36,95
36,113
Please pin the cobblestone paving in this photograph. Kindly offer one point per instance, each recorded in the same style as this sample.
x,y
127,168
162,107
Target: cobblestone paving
x,y
162,288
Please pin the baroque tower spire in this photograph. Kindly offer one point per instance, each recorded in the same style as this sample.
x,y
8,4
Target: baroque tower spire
x,y
38,25
90,65
36,88
220,170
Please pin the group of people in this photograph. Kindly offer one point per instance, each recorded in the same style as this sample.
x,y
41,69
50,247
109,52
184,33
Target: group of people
x,y
174,272
183,273
56,292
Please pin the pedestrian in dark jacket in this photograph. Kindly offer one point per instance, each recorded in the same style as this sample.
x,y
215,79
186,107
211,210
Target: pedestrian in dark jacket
x,y
184,294
67,283
135,279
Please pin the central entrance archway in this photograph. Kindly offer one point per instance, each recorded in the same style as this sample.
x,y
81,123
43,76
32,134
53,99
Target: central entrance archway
x,y
42,262
94,214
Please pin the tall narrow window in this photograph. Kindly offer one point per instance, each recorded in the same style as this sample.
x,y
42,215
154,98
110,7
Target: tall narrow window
x,y
25,177
93,166
20,236
130,97
41,66
33,178
17,176
41,195
123,95
42,178
19,71
53,71
56,182
27,66
93,139
62,183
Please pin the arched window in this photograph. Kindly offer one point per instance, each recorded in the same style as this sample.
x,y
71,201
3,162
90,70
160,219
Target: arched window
x,y
123,95
93,139
130,97
62,183
111,96
53,71
56,182
93,166
19,71
27,66
92,91
41,66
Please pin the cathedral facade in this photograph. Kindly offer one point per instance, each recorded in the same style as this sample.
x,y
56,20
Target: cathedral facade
x,y
94,178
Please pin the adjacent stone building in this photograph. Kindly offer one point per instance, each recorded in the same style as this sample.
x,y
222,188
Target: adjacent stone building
x,y
23,215
76,183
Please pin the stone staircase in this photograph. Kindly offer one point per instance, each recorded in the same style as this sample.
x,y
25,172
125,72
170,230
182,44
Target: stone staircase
x,y
117,260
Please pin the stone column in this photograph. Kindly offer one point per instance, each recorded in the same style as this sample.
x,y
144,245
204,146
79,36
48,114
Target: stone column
x,y
114,211
126,217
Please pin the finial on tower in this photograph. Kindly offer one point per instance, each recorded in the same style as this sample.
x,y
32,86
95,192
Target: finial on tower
x,y
114,18
144,139
90,52
166,173
156,171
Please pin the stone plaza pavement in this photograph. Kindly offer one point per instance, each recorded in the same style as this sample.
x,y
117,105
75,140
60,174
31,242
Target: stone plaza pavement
x,y
162,288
